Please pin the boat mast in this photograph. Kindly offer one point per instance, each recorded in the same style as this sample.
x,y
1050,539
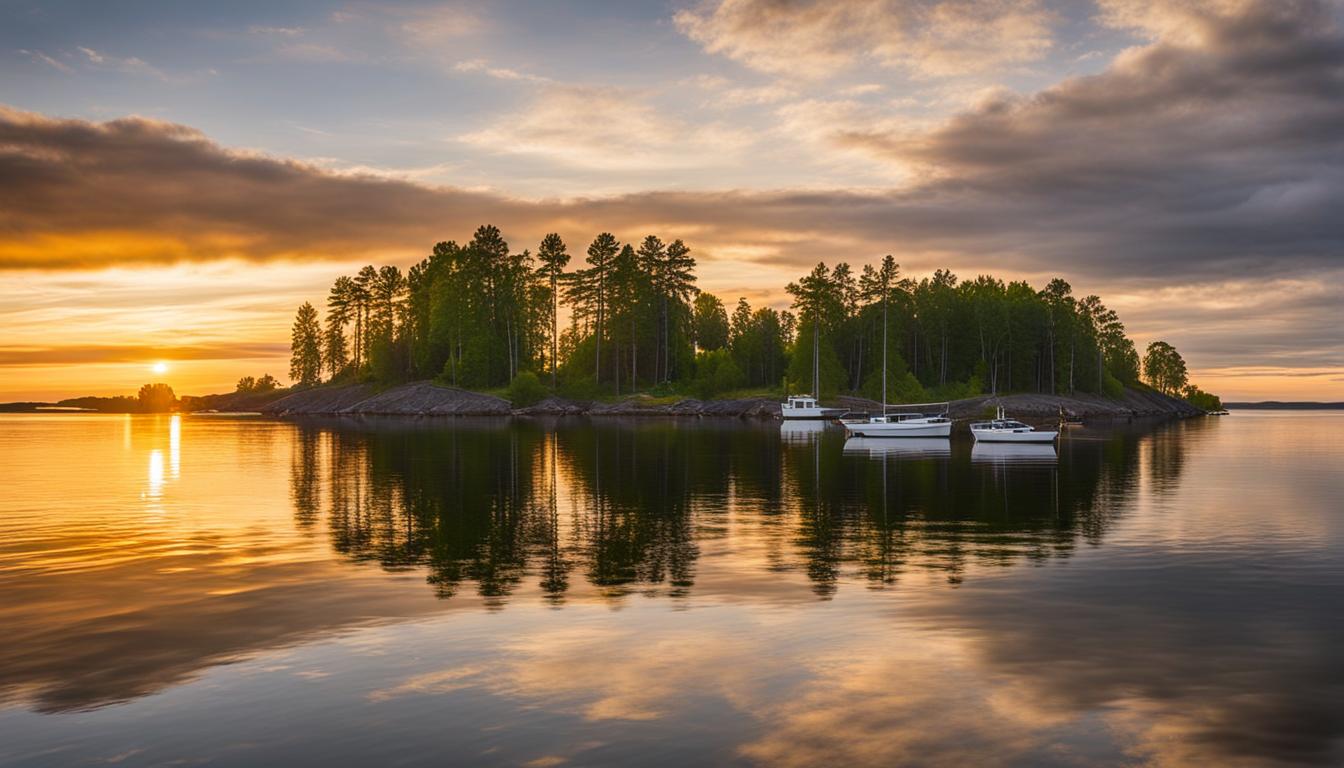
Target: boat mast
x,y
885,291
816,361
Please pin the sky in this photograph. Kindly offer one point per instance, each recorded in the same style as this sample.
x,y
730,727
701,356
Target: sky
x,y
176,178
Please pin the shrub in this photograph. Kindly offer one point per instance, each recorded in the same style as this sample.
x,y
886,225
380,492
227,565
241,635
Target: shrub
x,y
1111,386
1203,400
716,372
580,388
526,389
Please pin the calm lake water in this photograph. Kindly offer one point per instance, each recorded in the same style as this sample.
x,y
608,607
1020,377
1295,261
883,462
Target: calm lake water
x,y
184,590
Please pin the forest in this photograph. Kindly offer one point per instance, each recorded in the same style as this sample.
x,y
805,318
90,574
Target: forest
x,y
625,317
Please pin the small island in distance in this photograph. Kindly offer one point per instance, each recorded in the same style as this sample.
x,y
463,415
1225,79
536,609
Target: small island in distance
x,y
476,329
1278,405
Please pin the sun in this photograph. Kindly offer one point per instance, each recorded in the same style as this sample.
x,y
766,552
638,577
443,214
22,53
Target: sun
x,y
159,367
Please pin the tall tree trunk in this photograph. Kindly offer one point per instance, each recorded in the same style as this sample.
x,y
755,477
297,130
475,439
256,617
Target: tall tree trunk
x,y
555,311
1072,342
667,342
597,372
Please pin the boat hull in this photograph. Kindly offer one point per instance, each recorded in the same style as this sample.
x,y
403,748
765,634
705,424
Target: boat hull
x,y
900,429
990,436
811,414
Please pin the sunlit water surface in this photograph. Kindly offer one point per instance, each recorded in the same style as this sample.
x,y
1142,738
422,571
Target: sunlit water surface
x,y
184,590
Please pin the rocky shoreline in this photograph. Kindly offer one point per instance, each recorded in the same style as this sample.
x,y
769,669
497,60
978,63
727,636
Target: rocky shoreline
x,y
426,399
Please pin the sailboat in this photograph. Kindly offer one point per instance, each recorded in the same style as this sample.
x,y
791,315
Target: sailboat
x,y
1006,430
907,420
807,406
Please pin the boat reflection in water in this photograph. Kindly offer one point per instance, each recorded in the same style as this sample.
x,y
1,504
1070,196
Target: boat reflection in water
x,y
801,431
1014,453
899,447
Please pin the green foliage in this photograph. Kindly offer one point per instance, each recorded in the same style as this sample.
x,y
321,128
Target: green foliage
x,y
1165,369
957,390
250,385
902,386
526,389
715,373
832,373
1203,400
580,388
756,339
709,323
1111,386
156,398
477,315
305,360
388,361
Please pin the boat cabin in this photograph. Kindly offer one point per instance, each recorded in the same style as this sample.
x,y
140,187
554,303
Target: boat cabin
x,y
1003,425
802,401
895,418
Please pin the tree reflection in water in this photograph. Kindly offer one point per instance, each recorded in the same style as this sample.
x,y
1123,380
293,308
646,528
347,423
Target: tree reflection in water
x,y
629,504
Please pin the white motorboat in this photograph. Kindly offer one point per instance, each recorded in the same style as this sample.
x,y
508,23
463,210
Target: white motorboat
x,y
1005,430
902,423
807,407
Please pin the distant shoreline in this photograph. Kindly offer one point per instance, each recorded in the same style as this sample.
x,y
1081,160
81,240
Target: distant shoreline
x,y
1279,405
429,399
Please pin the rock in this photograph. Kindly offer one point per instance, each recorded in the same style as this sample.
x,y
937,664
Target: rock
x,y
555,406
319,400
419,398
423,398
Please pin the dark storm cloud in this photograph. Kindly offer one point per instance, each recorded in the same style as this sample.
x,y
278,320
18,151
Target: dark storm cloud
x,y
1221,155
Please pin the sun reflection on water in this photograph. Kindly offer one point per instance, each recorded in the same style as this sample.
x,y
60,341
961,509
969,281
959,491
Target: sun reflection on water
x,y
175,446
155,488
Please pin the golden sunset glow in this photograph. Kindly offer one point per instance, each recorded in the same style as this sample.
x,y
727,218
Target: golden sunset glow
x,y
1025,140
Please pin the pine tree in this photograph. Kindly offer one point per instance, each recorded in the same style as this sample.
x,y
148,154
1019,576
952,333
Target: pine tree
x,y
600,255
554,258
305,360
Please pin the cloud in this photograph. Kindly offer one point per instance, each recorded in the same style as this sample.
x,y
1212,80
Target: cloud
x,y
726,94
49,61
1206,162
130,65
126,353
499,73
257,29
822,37
606,128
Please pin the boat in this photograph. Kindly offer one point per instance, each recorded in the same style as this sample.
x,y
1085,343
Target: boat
x,y
902,423
807,407
1219,413
1005,430
905,422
